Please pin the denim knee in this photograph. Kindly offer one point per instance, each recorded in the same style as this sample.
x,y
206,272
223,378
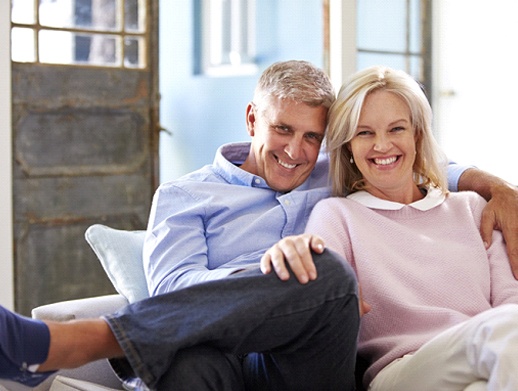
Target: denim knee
x,y
335,270
203,368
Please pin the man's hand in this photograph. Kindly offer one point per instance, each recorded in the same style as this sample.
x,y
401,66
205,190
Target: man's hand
x,y
500,213
296,252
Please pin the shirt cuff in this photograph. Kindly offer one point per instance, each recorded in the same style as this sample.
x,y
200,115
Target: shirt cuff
x,y
454,172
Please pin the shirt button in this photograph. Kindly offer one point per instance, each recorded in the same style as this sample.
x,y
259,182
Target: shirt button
x,y
257,180
287,202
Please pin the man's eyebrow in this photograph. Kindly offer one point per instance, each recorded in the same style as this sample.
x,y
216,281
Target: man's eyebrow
x,y
282,125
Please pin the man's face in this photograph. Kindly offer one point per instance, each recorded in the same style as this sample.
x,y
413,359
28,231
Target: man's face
x,y
286,138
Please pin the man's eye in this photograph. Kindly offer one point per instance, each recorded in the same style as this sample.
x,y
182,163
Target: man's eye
x,y
314,136
283,129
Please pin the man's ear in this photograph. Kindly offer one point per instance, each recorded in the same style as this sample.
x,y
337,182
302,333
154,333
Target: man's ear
x,y
250,119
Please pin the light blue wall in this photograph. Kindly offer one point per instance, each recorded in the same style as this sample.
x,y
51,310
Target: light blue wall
x,y
204,112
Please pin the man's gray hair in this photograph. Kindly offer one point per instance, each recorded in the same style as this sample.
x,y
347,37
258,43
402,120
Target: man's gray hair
x,y
296,80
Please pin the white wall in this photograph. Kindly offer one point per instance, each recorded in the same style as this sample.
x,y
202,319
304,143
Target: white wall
x,y
6,210
475,83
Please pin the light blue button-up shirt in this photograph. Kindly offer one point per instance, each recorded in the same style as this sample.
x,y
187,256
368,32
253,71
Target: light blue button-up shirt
x,y
220,219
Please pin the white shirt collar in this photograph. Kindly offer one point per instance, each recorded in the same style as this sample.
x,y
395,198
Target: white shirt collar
x,y
433,198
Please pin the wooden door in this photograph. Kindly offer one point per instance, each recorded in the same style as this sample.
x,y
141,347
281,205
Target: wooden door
x,y
85,139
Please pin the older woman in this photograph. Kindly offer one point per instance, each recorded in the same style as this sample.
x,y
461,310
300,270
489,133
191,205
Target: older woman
x,y
444,313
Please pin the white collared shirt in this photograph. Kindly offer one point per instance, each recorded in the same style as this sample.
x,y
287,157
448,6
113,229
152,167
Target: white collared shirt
x,y
433,198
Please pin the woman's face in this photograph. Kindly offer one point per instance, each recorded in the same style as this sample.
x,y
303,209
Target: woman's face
x,y
383,147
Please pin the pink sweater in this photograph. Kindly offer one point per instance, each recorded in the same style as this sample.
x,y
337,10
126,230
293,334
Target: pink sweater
x,y
423,268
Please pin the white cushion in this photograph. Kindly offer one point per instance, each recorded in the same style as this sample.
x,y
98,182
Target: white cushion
x,y
120,254
62,383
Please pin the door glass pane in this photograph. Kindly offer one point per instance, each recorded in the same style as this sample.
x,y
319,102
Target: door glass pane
x,y
87,14
22,11
23,45
134,52
83,32
79,48
133,16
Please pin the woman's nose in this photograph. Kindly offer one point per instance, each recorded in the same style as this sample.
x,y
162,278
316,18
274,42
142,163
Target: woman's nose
x,y
381,143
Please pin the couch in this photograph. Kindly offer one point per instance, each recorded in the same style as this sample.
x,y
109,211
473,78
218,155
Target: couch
x,y
120,254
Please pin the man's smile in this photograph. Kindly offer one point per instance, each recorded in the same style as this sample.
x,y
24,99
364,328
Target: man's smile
x,y
285,164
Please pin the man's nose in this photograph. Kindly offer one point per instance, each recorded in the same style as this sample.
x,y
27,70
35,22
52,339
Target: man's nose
x,y
294,148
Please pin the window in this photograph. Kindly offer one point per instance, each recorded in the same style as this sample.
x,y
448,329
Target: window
x,y
227,35
397,34
109,33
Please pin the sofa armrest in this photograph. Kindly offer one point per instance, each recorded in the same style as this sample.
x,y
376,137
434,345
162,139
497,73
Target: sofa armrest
x,y
91,307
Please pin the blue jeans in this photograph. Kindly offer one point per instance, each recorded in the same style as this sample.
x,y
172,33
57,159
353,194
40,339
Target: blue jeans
x,y
249,331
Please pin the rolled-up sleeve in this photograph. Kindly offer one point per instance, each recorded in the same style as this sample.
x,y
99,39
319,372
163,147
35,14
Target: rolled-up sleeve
x,y
454,173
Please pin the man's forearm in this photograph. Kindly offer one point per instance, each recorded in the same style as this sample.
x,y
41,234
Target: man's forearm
x,y
500,213
481,182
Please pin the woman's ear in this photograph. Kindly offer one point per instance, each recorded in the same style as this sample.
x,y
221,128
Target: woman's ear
x,y
250,119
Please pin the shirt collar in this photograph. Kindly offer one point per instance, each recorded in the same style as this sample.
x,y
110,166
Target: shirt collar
x,y
230,156
227,161
433,198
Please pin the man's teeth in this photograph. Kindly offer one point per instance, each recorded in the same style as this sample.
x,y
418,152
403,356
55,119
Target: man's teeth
x,y
384,162
286,165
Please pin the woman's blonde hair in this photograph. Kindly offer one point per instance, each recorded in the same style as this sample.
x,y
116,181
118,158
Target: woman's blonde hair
x,y
344,114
